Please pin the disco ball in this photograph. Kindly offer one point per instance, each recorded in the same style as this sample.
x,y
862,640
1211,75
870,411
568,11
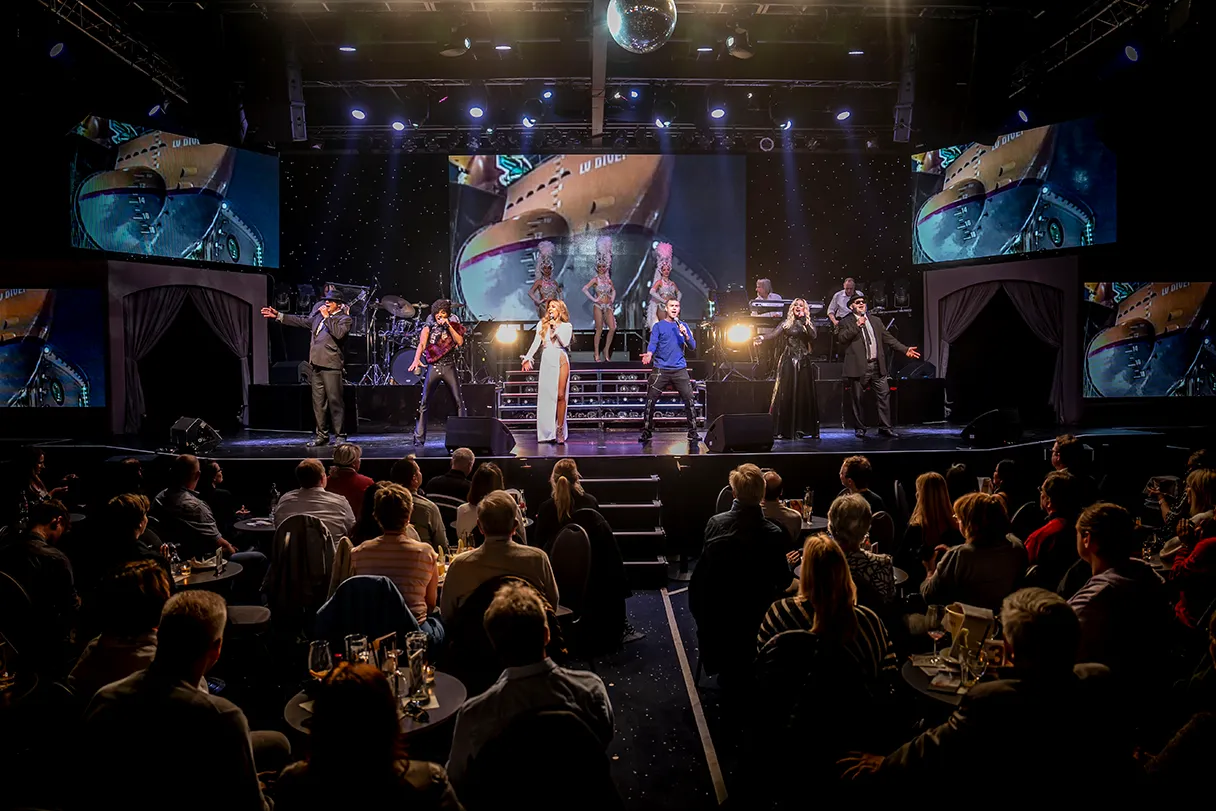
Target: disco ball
x,y
641,26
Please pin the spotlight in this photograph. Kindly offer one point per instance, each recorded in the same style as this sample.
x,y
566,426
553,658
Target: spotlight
x,y
1023,116
633,94
739,334
399,126
843,115
347,49
664,113
705,49
1129,51
548,94
766,144
739,44
857,52
457,44
533,112
715,104
507,333
358,114
781,115
155,110
502,47
57,49
477,111
617,96
717,112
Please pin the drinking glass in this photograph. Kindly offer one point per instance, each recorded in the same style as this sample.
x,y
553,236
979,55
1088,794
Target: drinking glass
x,y
320,661
356,644
415,650
972,665
933,619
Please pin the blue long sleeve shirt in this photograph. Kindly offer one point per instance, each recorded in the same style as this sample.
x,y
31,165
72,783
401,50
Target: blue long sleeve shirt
x,y
667,345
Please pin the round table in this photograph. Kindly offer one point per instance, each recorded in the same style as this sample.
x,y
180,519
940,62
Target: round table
x,y
900,575
262,524
206,578
449,691
76,518
918,680
817,523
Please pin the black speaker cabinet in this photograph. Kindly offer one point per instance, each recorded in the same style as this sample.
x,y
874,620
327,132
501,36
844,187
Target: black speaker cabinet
x,y
485,436
192,435
1000,426
740,433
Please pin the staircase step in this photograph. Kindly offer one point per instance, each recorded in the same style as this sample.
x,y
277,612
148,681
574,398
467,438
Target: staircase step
x,y
640,544
635,490
640,516
647,574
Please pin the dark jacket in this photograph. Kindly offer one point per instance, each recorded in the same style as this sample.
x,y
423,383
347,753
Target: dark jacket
x,y
453,483
848,337
414,784
326,347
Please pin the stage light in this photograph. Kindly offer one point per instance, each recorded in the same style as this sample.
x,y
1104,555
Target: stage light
x,y
664,113
767,144
347,49
739,44
399,126
857,52
56,49
633,94
739,334
358,114
548,94
1129,51
477,111
781,115
843,115
507,333
717,112
533,113
457,44
155,110
502,47
705,49
617,96
1023,116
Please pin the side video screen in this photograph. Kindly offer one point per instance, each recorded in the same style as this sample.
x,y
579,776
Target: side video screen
x,y
52,348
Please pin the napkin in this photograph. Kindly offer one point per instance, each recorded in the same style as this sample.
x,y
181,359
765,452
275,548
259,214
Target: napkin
x,y
977,622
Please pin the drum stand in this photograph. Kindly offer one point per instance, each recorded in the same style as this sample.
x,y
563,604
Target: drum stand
x,y
376,374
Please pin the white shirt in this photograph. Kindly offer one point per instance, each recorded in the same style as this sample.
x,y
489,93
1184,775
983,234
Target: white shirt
x,y
332,509
770,313
872,349
839,307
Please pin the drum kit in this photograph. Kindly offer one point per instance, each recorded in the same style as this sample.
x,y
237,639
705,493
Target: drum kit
x,y
391,349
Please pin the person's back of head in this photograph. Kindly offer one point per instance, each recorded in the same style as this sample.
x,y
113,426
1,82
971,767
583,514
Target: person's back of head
x,y
859,470
1042,631
354,729
849,520
1106,532
347,456
486,479
368,527
496,514
960,482
191,632
310,473
564,482
49,517
1007,475
209,473
406,472
184,471
1201,489
126,514
393,506
1068,453
516,624
1064,494
132,598
462,460
826,584
981,516
747,485
933,512
773,486
128,476
1198,460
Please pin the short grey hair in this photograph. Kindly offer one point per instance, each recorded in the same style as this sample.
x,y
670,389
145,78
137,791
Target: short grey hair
x,y
765,283
1041,628
463,458
496,513
348,454
849,520
191,622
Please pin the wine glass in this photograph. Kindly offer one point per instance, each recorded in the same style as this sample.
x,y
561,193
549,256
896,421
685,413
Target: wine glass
x,y
320,661
972,666
933,619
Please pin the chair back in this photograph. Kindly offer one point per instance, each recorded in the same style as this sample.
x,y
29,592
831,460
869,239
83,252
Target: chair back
x,y
726,498
882,532
364,604
1026,519
902,504
448,505
571,559
17,621
301,561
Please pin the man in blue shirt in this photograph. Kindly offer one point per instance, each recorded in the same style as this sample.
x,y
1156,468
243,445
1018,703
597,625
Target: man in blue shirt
x,y
669,339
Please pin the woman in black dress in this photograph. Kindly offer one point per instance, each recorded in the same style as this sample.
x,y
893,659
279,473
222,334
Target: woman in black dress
x,y
794,408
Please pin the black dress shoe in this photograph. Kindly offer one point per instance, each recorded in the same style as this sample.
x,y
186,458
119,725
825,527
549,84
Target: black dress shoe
x,y
341,439
645,437
318,441
419,440
888,433
860,434
694,437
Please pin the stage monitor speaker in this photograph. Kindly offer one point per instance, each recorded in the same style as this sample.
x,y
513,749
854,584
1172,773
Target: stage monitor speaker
x,y
192,435
740,433
485,436
992,429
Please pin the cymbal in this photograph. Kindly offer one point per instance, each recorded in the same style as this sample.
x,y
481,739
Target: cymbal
x,y
395,305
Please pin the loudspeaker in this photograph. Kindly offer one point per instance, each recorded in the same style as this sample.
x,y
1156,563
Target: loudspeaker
x,y
1000,426
485,436
740,433
192,435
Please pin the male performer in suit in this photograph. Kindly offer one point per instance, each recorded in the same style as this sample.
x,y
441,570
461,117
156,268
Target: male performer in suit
x,y
329,324
861,341
669,339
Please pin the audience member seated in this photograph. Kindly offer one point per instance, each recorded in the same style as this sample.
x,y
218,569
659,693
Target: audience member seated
x,y
1068,455
960,481
742,569
985,569
856,473
826,605
531,682
931,525
366,527
1057,713
426,518
344,477
30,489
1053,547
1009,487
410,564
32,559
185,519
873,574
1178,507
568,497
1123,607
356,751
1193,573
777,512
499,554
127,535
131,725
486,480
221,501
129,604
311,498
455,482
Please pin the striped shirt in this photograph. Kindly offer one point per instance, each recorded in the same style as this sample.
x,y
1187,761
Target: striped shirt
x,y
870,647
409,564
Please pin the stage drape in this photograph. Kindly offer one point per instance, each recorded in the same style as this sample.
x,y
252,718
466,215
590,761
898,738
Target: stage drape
x,y
229,317
959,311
147,316
1042,308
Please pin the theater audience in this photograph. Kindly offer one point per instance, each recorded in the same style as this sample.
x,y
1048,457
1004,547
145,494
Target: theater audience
x,y
960,481
1052,548
1056,713
873,574
129,538
132,725
1008,486
1192,576
856,473
185,518
455,482
485,480
742,570
31,558
356,751
30,489
499,554
531,682
826,605
344,477
311,498
409,563
985,569
426,518
931,525
1173,509
221,501
567,497
777,512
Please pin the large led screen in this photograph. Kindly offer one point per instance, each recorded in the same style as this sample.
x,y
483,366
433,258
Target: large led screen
x,y
142,191
1149,339
1040,189
504,206
52,348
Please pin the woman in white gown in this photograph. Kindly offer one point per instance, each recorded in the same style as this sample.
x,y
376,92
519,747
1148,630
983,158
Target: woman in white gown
x,y
553,333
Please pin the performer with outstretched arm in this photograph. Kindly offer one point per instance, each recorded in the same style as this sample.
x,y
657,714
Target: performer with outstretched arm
x,y
329,324
544,289
861,340
669,339
441,336
552,392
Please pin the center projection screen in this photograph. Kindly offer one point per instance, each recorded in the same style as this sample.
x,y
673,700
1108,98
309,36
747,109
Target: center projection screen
x,y
504,206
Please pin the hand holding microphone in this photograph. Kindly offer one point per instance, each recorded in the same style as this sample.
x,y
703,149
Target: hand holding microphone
x,y
683,328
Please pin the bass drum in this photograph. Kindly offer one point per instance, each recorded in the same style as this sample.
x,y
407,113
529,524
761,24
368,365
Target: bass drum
x,y
399,369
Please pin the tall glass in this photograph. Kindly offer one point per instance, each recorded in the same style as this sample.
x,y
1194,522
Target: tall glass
x,y
933,620
972,665
320,661
356,648
415,650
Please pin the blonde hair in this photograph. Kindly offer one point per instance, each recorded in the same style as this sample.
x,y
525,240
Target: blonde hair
x,y
496,513
1202,486
348,454
932,512
747,484
981,515
393,507
827,585
564,482
563,314
790,318
849,520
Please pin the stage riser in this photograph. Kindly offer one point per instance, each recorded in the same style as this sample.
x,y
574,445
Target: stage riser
x,y
913,402
289,407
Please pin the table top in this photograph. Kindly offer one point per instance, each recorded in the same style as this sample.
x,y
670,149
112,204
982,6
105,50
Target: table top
x,y
919,680
258,524
900,575
77,517
449,691
206,577
816,523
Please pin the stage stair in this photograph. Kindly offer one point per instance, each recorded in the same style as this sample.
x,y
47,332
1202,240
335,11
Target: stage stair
x,y
634,511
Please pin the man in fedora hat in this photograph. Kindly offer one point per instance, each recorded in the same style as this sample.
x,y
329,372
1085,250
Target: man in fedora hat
x,y
861,340
329,324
